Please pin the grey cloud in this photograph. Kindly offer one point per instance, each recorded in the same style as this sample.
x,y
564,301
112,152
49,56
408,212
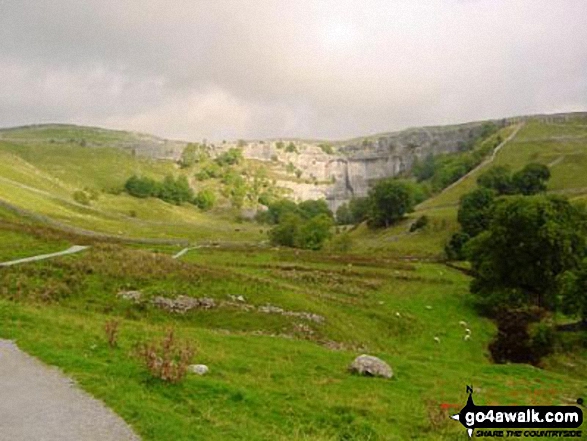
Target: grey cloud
x,y
268,68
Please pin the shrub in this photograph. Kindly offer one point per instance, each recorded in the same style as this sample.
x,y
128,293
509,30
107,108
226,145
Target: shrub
x,y
205,200
455,248
81,197
111,330
514,342
233,156
420,223
326,148
167,360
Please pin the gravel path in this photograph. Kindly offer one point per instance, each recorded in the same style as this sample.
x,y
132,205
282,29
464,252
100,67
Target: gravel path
x,y
72,250
39,403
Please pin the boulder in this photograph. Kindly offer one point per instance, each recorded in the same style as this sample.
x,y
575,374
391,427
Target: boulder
x,y
199,369
370,366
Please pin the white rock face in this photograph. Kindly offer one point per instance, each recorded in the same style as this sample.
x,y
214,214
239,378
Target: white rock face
x,y
199,369
370,366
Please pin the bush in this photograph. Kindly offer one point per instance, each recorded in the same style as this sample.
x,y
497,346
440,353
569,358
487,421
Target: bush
x,y
420,223
532,179
514,342
111,330
81,197
167,360
455,248
210,170
233,156
326,148
314,232
141,187
497,178
205,200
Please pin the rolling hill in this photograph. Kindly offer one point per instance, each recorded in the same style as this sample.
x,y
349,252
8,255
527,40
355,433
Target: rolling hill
x,y
278,358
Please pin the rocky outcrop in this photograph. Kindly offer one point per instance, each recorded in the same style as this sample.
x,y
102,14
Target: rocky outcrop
x,y
370,366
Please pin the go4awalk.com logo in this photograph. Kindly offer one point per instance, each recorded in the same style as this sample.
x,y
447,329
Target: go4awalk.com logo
x,y
520,420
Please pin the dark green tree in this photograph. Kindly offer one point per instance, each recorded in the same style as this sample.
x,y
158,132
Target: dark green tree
x,y
314,232
390,200
312,208
532,179
475,211
141,187
359,208
498,178
286,231
344,215
530,242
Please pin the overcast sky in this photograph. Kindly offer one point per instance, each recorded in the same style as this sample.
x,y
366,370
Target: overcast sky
x,y
226,69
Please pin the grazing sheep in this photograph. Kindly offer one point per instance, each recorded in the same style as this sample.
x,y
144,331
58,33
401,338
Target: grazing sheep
x,y
397,314
463,323
468,331
467,337
436,339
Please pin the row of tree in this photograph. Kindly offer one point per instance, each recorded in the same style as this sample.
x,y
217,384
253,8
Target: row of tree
x,y
172,190
306,225
528,253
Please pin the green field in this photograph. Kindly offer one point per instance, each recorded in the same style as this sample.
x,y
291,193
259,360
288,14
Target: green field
x,y
273,376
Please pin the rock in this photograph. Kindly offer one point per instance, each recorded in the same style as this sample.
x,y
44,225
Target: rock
x,y
133,296
183,304
370,366
199,369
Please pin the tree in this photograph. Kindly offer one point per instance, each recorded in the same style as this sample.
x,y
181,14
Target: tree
x,y
286,231
530,243
344,215
278,209
191,154
205,199
312,208
498,178
574,292
475,211
390,200
141,187
531,179
424,169
314,232
454,249
359,208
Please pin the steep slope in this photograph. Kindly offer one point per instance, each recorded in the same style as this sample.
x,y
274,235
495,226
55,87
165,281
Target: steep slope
x,y
561,144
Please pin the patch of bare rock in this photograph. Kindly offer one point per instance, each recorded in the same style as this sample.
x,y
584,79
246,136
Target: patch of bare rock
x,y
370,366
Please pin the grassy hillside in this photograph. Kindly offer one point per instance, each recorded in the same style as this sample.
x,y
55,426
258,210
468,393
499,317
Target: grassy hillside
x,y
41,176
560,146
273,376
278,374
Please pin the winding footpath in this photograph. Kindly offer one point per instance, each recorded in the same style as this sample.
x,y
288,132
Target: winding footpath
x,y
72,250
38,402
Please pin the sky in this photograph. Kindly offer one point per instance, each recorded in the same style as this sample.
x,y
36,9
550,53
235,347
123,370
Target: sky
x,y
250,69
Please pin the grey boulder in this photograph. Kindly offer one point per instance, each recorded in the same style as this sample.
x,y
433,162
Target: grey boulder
x,y
370,366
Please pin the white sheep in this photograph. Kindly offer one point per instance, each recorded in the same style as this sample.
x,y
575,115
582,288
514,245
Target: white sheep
x,y
468,331
436,339
463,323
467,337
397,314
